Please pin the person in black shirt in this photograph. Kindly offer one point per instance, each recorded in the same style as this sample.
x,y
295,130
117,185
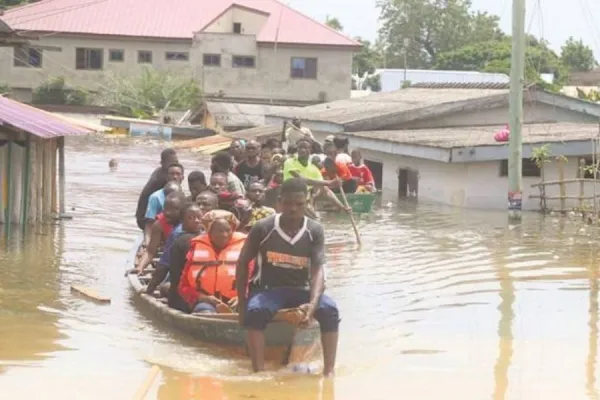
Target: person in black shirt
x,y
289,249
252,168
157,181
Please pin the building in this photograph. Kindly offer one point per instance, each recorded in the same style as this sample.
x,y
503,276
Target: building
x,y
32,163
238,50
435,142
395,79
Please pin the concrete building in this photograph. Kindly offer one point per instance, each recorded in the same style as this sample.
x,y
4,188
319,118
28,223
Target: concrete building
x,y
436,142
240,50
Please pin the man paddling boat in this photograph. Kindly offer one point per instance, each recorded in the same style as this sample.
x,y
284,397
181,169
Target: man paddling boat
x,y
289,249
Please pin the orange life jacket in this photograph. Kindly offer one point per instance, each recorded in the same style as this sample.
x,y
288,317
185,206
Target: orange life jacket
x,y
209,273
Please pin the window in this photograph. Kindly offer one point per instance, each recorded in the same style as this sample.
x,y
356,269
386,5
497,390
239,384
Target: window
x,y
144,57
116,55
27,57
237,28
177,56
304,68
212,60
530,169
90,59
588,170
243,62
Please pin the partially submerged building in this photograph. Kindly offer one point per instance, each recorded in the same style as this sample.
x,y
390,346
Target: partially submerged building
x,y
436,142
32,163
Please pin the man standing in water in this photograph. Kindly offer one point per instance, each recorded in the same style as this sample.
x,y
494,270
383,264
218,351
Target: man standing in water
x,y
157,181
289,249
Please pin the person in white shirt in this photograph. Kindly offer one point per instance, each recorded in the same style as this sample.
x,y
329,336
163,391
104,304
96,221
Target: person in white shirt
x,y
341,147
295,132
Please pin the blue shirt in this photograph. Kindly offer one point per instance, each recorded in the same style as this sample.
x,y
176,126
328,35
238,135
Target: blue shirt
x,y
156,203
165,259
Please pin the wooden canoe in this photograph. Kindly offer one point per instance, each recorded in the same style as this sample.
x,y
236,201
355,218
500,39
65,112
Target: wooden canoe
x,y
360,202
285,342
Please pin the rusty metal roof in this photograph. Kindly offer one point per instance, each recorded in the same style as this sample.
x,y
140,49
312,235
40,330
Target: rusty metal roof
x,y
456,137
35,121
462,85
172,19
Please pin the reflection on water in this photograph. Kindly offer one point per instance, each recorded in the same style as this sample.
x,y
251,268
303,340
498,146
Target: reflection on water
x,y
436,301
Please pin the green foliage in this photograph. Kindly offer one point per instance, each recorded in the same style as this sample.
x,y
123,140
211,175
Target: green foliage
x,y
592,95
432,27
54,91
146,93
367,59
12,3
541,155
577,57
495,56
334,23
4,89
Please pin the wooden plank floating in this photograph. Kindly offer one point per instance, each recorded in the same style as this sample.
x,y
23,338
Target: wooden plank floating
x,y
90,294
147,384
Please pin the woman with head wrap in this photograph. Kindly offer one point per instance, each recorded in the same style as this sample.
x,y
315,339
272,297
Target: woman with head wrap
x,y
207,283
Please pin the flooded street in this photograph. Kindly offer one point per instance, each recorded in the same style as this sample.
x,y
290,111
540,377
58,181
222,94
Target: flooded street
x,y
437,301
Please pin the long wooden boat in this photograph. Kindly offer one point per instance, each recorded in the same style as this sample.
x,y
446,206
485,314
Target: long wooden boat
x,y
285,343
361,203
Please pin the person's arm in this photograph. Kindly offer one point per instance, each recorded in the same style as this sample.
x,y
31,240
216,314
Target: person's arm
x,y
158,276
151,212
249,252
317,272
152,249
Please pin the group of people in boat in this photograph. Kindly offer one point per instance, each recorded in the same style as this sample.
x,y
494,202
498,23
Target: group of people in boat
x,y
241,241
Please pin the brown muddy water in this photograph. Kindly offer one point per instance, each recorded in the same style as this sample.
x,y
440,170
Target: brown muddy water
x,y
438,303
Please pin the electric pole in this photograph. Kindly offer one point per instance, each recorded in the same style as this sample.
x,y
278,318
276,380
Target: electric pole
x,y
515,144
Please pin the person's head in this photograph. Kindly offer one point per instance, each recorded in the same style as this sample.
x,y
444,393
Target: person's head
x,y
171,187
341,144
191,218
356,157
277,160
175,172
218,182
252,149
279,150
329,150
113,164
221,162
316,148
168,157
272,143
236,149
256,192
292,150
296,122
292,199
266,153
329,139
316,160
173,205
219,225
304,146
197,183
207,201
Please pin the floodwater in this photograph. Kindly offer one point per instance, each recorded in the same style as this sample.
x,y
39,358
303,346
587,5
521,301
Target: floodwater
x,y
438,303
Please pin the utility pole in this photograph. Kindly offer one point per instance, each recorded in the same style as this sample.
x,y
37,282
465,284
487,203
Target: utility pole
x,y
515,144
406,42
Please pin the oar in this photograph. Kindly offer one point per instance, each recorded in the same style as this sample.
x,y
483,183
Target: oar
x,y
345,200
147,384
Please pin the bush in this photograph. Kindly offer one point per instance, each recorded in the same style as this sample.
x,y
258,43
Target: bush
x,y
54,91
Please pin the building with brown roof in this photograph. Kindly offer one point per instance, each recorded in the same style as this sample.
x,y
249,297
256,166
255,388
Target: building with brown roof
x,y
258,50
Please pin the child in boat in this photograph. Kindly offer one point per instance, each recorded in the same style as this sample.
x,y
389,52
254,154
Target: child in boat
x,y
196,184
228,201
258,211
366,182
207,283
162,228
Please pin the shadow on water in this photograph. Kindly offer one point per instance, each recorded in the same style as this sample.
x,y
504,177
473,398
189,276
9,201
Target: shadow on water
x,y
437,300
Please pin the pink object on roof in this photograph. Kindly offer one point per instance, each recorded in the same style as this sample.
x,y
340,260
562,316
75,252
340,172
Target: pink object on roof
x,y
173,19
35,121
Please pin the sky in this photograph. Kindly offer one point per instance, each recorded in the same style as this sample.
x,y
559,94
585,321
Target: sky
x,y
553,20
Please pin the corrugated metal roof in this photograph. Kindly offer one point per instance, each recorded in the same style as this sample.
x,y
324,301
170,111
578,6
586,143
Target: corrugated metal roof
x,y
174,19
350,111
4,28
35,121
393,79
461,85
482,135
260,133
231,115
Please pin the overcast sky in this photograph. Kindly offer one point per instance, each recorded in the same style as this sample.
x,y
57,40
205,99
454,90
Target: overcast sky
x,y
557,20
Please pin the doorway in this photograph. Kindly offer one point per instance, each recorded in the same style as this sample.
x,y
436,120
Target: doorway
x,y
377,171
408,183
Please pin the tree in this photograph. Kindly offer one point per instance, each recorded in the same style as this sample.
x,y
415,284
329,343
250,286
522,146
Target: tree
x,y
4,89
12,3
55,91
577,57
432,27
495,56
150,91
334,23
367,59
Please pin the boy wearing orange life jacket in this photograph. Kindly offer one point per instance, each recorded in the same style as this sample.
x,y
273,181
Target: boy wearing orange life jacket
x,y
207,283
162,228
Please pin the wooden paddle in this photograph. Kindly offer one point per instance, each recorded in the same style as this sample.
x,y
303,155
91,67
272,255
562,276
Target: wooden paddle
x,y
147,384
345,200
90,294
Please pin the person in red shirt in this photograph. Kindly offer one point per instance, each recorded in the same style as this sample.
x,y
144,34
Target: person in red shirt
x,y
361,172
333,169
